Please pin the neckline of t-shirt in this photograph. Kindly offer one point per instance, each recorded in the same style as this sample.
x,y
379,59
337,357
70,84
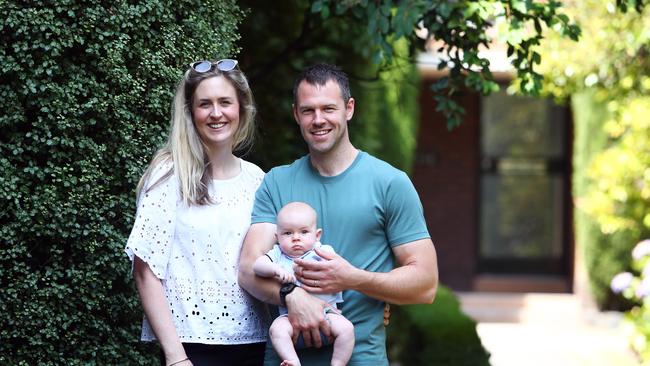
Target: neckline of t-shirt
x,y
231,179
335,178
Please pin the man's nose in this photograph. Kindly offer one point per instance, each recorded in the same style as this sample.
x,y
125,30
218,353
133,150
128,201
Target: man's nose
x,y
319,117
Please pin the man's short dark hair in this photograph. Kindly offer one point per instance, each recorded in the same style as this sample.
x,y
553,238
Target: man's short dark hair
x,y
319,74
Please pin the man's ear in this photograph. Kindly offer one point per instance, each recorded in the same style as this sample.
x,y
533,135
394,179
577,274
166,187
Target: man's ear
x,y
295,113
319,232
349,109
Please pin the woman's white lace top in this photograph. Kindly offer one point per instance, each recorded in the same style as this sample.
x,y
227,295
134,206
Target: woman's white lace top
x,y
195,252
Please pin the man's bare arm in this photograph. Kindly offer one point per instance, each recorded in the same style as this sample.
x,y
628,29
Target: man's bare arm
x,y
413,281
259,240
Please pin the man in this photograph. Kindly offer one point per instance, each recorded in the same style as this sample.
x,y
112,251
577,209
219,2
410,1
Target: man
x,y
370,214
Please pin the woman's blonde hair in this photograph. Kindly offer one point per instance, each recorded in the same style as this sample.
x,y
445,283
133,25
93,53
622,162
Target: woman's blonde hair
x,y
185,149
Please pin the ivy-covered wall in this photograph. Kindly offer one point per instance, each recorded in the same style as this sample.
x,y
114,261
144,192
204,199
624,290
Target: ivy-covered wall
x,y
85,92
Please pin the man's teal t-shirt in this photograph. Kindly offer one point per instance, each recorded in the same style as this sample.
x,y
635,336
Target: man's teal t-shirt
x,y
364,212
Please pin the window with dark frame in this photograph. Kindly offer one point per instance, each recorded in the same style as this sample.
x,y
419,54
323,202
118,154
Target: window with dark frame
x,y
524,183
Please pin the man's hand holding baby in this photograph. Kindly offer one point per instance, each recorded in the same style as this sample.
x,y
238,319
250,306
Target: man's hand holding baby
x,y
331,275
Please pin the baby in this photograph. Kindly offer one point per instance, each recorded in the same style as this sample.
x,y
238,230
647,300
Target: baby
x,y
297,237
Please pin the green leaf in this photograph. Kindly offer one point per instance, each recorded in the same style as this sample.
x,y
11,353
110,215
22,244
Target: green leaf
x,y
444,9
384,25
441,84
563,17
316,6
520,5
325,12
343,7
385,9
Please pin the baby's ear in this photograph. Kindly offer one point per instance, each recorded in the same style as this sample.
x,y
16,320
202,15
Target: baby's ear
x,y
319,232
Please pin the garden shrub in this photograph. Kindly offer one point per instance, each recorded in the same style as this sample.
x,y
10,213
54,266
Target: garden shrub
x,y
603,74
435,334
603,256
620,203
84,98
615,194
635,286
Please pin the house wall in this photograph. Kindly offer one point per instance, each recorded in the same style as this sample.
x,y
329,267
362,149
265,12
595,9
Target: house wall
x,y
446,175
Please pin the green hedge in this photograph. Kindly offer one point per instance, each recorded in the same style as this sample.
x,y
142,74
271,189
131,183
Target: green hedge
x,y
84,98
605,254
589,139
436,334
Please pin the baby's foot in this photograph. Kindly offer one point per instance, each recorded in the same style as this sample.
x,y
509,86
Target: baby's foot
x,y
290,363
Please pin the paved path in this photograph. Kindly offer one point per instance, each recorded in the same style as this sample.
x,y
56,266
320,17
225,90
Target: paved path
x,y
541,329
513,344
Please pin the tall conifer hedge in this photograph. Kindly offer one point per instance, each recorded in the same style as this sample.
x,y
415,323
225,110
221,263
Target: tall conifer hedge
x,y
85,91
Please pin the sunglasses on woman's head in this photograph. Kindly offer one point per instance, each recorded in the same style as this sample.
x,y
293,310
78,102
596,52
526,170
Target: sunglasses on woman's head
x,y
224,65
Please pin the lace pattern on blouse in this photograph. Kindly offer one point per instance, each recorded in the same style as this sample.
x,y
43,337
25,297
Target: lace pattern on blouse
x,y
194,251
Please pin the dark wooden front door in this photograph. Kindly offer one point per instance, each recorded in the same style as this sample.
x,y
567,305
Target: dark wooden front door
x,y
524,188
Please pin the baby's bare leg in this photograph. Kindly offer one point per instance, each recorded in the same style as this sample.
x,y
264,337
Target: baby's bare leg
x,y
281,333
343,333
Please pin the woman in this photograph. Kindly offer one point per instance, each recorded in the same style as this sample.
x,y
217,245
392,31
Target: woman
x,y
194,205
